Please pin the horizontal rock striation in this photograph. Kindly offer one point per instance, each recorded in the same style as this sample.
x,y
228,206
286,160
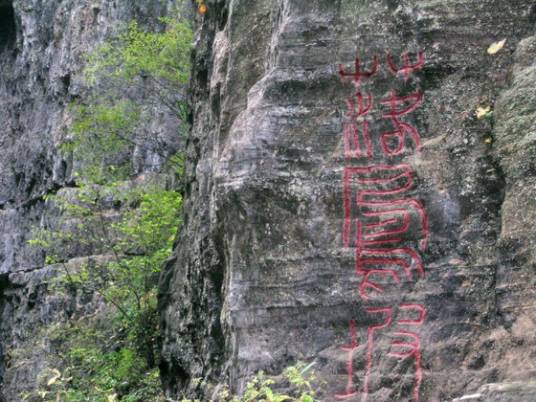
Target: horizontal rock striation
x,y
261,277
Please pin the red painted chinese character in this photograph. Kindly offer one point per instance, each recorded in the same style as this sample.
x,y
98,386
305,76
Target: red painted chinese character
x,y
356,112
407,68
369,192
351,349
358,74
409,344
383,262
400,106
413,347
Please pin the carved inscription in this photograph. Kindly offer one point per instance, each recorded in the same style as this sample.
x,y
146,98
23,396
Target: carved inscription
x,y
384,223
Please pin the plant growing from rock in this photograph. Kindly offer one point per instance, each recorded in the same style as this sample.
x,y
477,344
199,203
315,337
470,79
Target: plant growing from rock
x,y
122,218
135,77
296,384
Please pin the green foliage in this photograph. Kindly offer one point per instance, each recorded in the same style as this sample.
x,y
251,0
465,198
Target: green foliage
x,y
151,225
102,137
297,382
121,374
137,53
118,357
107,124
96,367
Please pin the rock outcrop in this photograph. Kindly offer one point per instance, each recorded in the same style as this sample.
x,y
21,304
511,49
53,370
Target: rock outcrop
x,y
262,275
505,392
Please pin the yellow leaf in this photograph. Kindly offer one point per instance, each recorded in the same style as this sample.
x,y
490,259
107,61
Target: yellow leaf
x,y
112,398
57,375
202,9
482,111
496,46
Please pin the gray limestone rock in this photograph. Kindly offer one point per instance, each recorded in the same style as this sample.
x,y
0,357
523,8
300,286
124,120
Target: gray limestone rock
x,y
503,392
261,277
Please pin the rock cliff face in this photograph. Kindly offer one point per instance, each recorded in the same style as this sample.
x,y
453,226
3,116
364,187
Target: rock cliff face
x,y
43,45
263,273
268,267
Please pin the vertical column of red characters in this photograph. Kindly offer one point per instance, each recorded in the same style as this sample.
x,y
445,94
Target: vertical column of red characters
x,y
383,223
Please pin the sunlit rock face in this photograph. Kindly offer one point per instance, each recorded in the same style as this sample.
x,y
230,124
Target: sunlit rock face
x,y
269,267
43,49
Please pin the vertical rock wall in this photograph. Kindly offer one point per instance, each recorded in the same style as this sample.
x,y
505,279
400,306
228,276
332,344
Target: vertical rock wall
x,y
260,276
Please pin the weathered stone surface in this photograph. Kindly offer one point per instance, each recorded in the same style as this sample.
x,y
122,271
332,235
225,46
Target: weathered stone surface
x,y
504,392
260,277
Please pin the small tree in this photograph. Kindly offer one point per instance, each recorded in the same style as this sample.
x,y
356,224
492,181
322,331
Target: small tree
x,y
129,77
114,355
123,222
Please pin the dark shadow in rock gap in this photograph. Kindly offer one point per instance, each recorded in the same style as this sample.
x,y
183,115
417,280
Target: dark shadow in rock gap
x,y
8,27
